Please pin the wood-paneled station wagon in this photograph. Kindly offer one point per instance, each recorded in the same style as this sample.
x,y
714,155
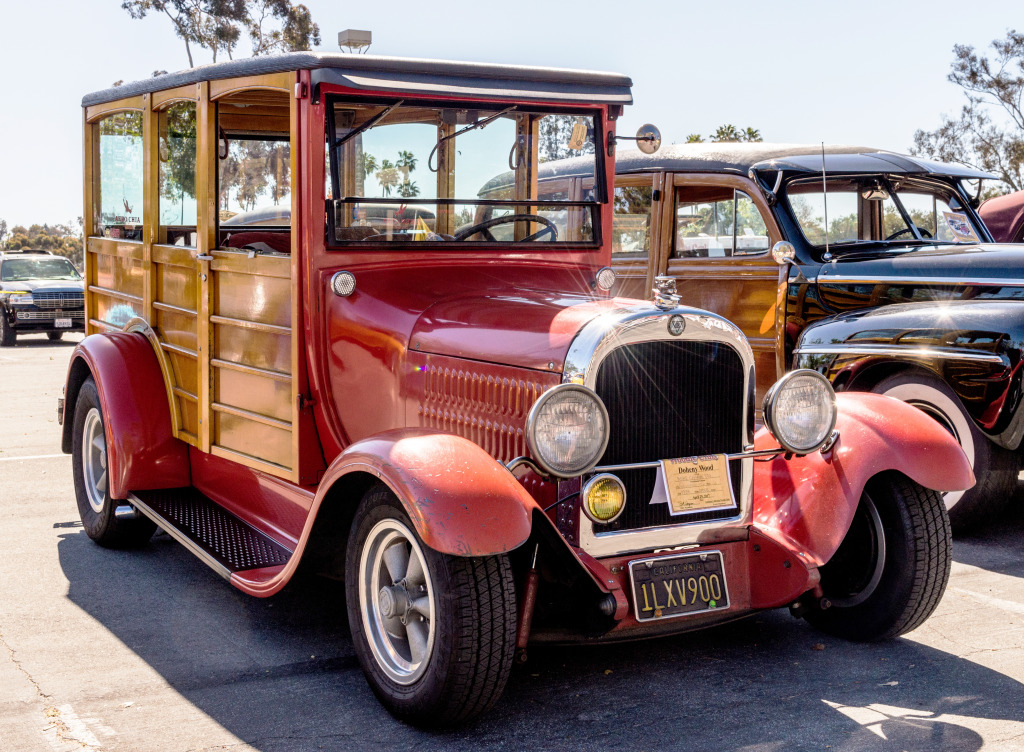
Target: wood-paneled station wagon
x,y
906,295
310,339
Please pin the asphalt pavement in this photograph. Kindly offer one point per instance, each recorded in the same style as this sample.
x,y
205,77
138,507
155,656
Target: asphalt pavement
x,y
150,650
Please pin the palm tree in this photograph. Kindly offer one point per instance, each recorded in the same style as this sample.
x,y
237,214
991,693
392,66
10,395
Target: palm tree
x,y
406,163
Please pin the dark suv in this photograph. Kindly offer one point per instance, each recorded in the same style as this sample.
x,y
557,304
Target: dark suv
x,y
39,292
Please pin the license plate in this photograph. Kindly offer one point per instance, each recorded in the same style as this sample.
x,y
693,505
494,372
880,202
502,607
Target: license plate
x,y
670,586
62,323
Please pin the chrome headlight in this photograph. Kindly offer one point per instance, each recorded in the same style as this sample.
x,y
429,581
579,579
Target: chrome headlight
x,y
21,298
800,411
567,430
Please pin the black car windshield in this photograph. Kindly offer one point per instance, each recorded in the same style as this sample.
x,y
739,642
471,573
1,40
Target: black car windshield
x,y
17,270
879,208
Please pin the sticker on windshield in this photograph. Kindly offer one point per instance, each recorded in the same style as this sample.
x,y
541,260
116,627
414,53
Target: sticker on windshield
x,y
960,226
579,136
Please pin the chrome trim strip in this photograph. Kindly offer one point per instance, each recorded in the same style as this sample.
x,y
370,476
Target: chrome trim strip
x,y
825,278
168,527
919,352
646,323
657,463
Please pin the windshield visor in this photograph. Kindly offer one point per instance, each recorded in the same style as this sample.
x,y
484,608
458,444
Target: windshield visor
x,y
878,209
447,174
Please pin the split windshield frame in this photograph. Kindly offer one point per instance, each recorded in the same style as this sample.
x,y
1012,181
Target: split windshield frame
x,y
334,143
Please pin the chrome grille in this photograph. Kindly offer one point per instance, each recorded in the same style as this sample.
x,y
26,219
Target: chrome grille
x,y
50,315
668,399
58,299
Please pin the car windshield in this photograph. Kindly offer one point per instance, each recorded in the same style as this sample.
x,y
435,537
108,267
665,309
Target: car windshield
x,y
15,270
879,208
405,172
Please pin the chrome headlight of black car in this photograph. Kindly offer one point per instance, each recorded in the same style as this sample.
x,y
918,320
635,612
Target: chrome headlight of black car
x,y
20,298
567,430
800,411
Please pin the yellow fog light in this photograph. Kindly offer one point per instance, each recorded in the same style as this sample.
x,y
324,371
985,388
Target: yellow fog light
x,y
604,498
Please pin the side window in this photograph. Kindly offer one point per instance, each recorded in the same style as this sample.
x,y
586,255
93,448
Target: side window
x,y
117,186
177,197
631,222
714,221
254,176
751,232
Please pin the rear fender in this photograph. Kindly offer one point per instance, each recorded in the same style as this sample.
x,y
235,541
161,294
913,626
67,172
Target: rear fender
x,y
460,499
807,503
142,452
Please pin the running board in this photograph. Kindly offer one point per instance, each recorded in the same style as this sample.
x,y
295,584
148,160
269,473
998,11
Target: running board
x,y
221,540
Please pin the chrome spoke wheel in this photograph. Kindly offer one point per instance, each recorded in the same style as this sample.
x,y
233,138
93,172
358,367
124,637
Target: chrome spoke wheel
x,y
396,598
94,460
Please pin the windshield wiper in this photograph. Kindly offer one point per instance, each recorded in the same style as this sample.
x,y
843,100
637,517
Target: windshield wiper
x,y
470,127
368,124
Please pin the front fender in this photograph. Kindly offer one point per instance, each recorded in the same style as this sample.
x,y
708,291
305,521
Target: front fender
x,y
975,346
142,452
808,502
460,499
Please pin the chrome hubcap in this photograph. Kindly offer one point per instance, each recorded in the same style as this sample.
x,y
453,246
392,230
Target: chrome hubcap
x,y
94,460
397,601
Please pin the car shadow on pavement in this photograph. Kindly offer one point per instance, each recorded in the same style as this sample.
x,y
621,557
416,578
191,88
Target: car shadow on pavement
x,y
281,674
999,545
41,341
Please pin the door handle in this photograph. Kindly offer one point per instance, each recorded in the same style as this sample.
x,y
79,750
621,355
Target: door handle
x,y
203,257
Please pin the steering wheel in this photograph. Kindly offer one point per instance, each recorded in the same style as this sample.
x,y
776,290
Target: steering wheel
x,y
484,227
905,230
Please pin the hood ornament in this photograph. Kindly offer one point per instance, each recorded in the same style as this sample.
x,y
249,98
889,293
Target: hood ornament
x,y
664,291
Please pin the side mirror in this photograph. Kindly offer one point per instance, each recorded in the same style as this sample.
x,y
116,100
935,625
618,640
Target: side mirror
x,y
783,252
648,138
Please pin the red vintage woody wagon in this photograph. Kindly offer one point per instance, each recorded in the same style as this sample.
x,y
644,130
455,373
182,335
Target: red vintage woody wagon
x,y
317,336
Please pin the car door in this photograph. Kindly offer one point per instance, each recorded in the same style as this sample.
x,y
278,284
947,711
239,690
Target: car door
x,y
716,243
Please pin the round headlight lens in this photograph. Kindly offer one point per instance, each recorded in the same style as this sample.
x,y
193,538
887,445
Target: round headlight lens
x,y
567,430
604,498
800,411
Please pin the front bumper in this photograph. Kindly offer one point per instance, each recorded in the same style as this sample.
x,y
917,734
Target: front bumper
x,y
34,319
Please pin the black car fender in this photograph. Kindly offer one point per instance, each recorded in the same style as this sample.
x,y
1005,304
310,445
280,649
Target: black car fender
x,y
976,347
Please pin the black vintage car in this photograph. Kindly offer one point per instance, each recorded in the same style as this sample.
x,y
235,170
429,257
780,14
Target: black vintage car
x,y
905,294
39,292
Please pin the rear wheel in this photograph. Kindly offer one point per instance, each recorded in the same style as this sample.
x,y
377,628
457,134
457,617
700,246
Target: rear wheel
x,y
435,634
54,336
995,468
89,461
891,569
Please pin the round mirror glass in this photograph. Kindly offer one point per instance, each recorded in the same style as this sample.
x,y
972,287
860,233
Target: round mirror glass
x,y
783,251
648,138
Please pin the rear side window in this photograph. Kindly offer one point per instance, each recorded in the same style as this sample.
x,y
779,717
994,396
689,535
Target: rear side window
x,y
117,184
631,223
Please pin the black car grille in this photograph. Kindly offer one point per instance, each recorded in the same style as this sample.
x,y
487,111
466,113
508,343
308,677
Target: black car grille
x,y
665,400
58,299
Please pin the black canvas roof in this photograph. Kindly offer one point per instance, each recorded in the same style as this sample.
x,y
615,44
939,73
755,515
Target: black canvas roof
x,y
404,75
740,158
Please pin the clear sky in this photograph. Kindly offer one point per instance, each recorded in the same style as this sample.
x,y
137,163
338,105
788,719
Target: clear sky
x,y
867,72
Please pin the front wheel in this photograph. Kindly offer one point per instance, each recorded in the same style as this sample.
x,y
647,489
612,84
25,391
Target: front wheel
x,y
92,491
891,569
435,634
8,334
